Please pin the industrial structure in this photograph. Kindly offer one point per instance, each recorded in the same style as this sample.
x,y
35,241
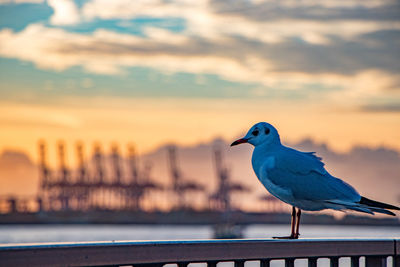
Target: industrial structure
x,y
91,186
181,186
110,186
221,199
114,181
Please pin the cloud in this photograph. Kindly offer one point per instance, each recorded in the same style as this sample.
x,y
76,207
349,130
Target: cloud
x,y
325,4
349,47
382,108
266,20
126,9
285,36
289,65
21,1
309,10
65,12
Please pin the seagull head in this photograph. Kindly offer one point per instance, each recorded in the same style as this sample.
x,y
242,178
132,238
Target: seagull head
x,y
261,133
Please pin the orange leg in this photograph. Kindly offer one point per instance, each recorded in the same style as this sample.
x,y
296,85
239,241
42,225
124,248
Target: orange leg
x,y
294,226
297,234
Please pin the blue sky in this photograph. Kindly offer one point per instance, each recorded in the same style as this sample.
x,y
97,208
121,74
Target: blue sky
x,y
214,66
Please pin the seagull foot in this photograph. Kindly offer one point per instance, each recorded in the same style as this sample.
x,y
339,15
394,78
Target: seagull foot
x,y
286,237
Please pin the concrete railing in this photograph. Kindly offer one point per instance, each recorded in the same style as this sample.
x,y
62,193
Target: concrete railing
x,y
374,252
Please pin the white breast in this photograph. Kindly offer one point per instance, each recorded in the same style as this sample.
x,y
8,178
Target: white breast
x,y
282,193
269,163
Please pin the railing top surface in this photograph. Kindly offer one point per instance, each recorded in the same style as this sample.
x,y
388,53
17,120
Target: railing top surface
x,y
44,245
134,252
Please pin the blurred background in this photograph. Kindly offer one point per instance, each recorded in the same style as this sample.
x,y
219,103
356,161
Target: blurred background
x,y
116,116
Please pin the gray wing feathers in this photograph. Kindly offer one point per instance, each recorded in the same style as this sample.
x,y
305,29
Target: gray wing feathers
x,y
304,174
301,162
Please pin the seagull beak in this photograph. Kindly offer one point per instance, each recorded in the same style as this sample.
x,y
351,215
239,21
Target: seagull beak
x,y
239,141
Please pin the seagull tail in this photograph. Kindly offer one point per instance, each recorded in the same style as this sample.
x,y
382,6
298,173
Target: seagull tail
x,y
362,206
379,210
376,206
368,209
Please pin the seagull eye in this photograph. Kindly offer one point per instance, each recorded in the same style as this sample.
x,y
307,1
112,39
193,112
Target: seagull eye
x,y
255,133
267,131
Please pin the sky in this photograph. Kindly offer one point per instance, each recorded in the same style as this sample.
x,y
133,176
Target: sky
x,y
152,72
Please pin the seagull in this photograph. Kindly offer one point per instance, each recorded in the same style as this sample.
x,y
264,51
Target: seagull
x,y
300,179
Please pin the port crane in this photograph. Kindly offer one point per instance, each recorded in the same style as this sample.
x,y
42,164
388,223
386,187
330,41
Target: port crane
x,y
180,185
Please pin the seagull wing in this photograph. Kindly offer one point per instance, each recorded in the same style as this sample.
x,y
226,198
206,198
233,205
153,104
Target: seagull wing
x,y
301,162
305,176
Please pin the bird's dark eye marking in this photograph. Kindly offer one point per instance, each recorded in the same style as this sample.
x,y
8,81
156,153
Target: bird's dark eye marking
x,y
267,131
255,132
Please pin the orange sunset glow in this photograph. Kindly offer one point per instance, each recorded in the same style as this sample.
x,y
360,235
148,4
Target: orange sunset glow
x,y
152,73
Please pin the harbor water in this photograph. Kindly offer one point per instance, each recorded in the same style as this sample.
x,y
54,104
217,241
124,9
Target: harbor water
x,y
72,233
